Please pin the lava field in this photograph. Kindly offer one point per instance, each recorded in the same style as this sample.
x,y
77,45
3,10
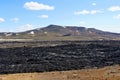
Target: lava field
x,y
72,56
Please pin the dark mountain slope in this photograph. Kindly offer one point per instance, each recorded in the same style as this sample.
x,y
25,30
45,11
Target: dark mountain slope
x,y
57,32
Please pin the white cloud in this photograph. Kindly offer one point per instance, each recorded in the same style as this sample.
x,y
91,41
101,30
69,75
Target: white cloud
x,y
43,16
1,20
94,4
37,6
15,19
114,8
117,17
25,27
83,12
95,11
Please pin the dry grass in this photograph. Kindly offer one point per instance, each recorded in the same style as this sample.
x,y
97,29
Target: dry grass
x,y
107,73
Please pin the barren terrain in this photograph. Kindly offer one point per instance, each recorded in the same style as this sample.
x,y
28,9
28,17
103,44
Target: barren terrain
x,y
72,55
60,60
106,73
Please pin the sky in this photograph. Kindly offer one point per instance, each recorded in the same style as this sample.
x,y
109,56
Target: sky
x,y
22,15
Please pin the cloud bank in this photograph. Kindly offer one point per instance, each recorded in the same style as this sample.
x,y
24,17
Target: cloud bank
x,y
114,8
37,6
83,12
2,20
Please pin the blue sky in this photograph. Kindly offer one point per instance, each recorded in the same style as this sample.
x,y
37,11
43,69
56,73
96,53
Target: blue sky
x,y
21,15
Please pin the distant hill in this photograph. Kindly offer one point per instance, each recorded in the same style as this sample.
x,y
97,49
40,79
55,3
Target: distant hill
x,y
56,32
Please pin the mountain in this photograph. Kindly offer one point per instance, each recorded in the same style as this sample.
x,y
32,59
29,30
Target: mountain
x,y
56,32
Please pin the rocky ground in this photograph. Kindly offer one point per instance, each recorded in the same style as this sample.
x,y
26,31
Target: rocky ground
x,y
72,55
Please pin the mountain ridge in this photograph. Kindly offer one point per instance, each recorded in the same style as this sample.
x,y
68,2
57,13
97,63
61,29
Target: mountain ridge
x,y
62,33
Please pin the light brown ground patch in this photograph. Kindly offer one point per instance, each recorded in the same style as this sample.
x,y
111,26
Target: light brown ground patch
x,y
106,73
